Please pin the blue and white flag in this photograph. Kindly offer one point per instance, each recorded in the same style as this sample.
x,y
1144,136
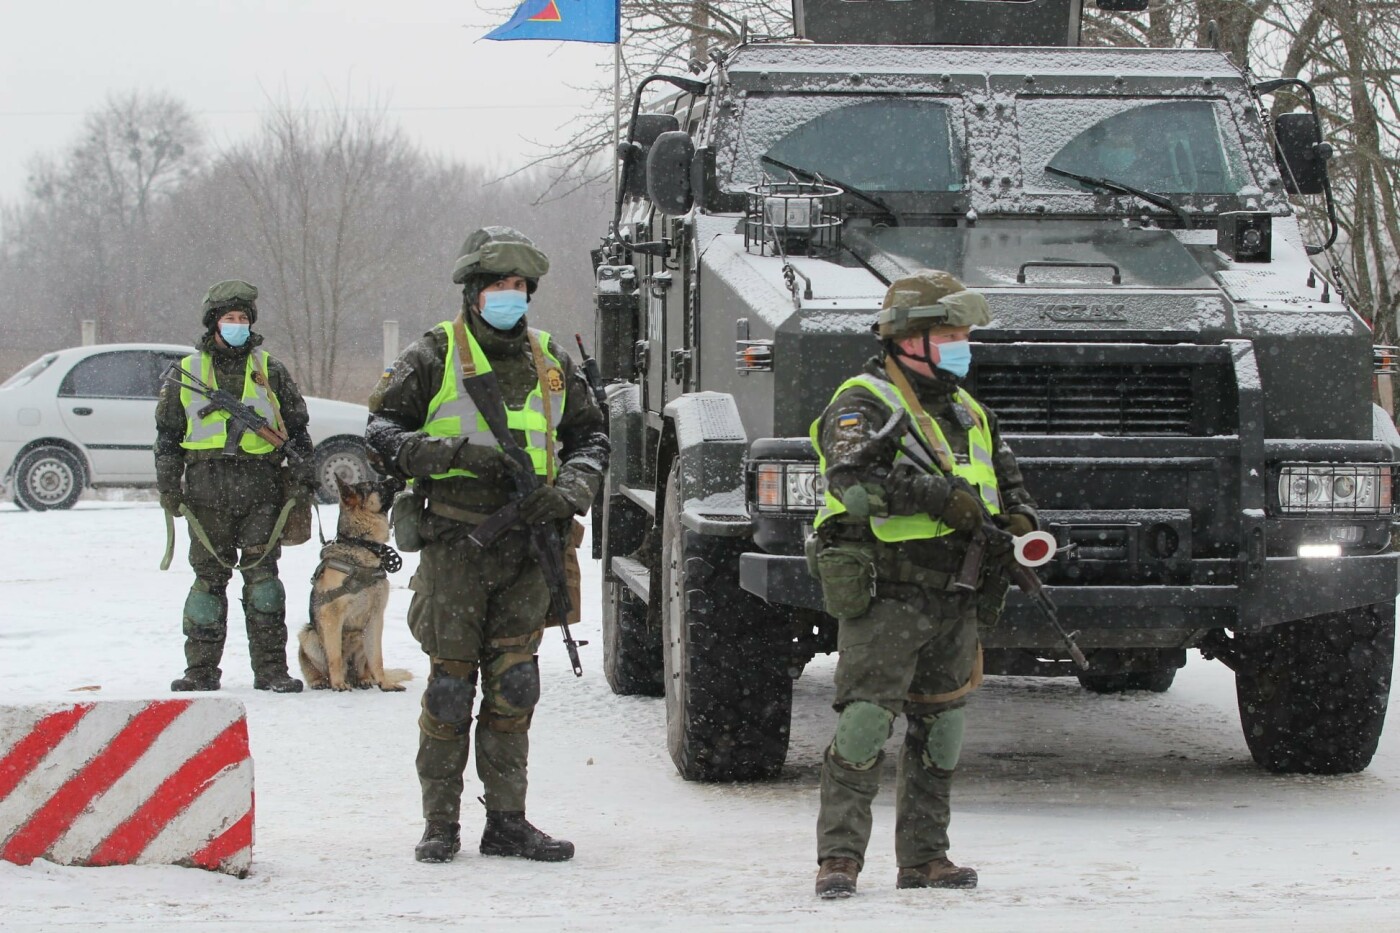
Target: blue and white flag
x,y
563,21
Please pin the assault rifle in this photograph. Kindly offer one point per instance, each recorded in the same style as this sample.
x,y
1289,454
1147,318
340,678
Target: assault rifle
x,y
1024,577
509,514
241,416
545,543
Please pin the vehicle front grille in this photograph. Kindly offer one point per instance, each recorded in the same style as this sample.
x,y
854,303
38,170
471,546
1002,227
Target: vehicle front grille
x,y
1116,400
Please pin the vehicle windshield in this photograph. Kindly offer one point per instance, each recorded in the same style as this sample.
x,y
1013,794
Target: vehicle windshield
x,y
874,144
28,373
1171,147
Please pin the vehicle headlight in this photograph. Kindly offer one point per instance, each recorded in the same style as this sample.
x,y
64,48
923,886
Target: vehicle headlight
x,y
788,486
1330,488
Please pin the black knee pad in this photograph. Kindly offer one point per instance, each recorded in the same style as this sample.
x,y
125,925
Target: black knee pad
x,y
520,684
448,699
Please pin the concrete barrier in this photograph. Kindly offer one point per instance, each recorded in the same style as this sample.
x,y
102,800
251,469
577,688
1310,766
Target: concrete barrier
x,y
158,782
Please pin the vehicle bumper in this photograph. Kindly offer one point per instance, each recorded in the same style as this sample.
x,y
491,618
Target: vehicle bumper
x,y
1284,589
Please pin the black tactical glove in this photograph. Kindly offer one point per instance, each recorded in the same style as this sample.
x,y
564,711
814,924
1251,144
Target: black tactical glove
x,y
1002,549
962,511
171,501
546,504
911,491
489,463
571,495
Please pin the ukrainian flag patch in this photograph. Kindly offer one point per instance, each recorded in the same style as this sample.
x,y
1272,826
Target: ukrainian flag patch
x,y
849,420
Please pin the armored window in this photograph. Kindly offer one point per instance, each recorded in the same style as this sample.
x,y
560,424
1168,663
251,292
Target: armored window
x,y
1172,147
878,145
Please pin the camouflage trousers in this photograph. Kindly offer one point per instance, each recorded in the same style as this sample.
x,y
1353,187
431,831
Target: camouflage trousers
x,y
479,615
244,528
912,652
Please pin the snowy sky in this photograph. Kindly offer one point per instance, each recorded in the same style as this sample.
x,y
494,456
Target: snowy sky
x,y
476,101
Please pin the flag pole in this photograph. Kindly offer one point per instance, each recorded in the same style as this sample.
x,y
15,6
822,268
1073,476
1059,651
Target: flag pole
x,y
617,102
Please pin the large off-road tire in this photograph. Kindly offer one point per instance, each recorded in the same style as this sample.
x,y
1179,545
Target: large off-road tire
x,y
1313,693
1154,681
346,456
728,691
49,478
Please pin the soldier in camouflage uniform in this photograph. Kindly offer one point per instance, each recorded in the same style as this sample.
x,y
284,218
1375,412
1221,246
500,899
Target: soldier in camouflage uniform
x,y
478,613
234,486
892,538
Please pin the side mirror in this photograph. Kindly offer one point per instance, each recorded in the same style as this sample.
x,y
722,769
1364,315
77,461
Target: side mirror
x,y
1123,6
1301,153
668,172
646,129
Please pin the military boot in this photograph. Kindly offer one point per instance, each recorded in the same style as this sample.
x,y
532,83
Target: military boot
x,y
196,679
205,624
265,614
837,877
939,873
441,841
509,833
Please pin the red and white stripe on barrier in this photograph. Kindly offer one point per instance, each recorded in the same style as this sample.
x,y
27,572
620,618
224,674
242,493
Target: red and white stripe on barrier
x,y
160,782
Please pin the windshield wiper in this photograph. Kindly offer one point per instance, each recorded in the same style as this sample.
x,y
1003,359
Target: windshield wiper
x,y
1159,200
849,189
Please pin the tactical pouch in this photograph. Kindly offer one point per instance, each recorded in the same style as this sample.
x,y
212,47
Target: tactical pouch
x,y
297,530
407,520
847,572
991,598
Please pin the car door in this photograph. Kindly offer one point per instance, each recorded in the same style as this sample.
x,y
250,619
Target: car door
x,y
108,402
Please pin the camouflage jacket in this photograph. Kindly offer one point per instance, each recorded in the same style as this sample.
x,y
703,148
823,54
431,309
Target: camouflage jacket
x,y
239,468
854,457
399,409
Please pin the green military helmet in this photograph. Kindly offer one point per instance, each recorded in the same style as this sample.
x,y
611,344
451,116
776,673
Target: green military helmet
x,y
499,251
929,298
232,293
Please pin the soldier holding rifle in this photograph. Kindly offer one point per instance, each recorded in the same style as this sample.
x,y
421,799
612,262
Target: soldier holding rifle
x,y
484,413
891,548
223,470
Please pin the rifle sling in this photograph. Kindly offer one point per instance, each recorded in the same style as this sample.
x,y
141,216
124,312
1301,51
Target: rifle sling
x,y
942,455
497,419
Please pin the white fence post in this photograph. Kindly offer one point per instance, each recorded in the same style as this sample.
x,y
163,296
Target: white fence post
x,y
391,343
89,333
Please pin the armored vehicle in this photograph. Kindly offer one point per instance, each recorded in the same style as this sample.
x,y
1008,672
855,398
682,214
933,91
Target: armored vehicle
x,y
1190,400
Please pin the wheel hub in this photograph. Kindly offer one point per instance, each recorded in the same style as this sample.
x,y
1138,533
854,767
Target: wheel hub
x,y
50,481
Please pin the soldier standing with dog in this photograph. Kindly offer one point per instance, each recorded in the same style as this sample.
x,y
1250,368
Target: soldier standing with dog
x,y
231,485
892,541
479,612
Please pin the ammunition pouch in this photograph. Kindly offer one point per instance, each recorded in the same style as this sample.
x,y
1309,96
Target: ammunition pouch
x,y
847,574
407,519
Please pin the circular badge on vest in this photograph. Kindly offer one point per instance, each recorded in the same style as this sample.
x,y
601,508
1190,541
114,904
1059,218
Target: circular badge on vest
x,y
554,379
259,379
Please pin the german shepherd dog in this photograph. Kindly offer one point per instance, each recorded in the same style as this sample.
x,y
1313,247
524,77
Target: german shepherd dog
x,y
342,645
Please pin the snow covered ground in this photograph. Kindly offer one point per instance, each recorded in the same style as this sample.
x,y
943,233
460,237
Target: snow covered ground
x,y
1138,812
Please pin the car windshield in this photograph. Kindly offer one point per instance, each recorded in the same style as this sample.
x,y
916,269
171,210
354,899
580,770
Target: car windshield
x,y
1171,147
28,373
874,144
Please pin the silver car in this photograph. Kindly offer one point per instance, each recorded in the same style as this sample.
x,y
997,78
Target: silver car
x,y
85,416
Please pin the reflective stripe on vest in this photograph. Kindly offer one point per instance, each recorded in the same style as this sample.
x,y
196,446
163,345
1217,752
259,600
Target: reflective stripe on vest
x,y
979,471
211,432
452,413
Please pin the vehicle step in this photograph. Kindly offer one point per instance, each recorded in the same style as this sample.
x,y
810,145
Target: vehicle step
x,y
644,497
634,574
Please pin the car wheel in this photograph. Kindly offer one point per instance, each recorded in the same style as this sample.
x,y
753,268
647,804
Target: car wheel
x,y
343,456
49,478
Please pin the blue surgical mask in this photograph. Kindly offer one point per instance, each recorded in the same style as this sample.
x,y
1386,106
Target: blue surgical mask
x,y
235,335
955,357
504,309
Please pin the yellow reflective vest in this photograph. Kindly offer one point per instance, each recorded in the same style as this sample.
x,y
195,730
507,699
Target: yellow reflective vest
x,y
211,431
978,471
452,413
